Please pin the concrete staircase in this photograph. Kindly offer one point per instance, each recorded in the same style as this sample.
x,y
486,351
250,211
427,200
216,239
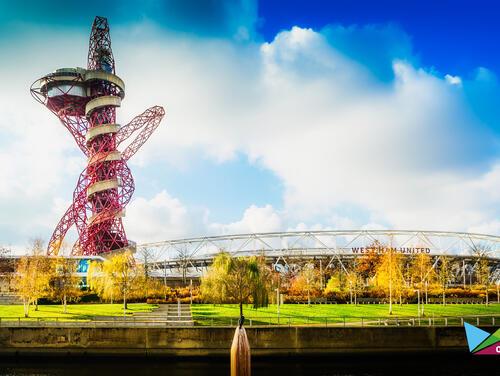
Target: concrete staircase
x,y
172,313
179,315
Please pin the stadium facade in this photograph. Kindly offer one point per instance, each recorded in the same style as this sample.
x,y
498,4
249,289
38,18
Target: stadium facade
x,y
289,251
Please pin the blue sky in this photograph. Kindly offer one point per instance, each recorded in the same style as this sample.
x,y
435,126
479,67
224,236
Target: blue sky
x,y
338,114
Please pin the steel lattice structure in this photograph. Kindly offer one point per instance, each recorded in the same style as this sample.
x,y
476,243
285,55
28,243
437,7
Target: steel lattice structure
x,y
336,248
85,101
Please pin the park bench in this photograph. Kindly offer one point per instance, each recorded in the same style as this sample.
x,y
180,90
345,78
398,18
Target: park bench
x,y
370,300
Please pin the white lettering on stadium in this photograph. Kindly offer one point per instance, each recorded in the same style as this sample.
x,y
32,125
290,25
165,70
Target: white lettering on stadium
x,y
405,250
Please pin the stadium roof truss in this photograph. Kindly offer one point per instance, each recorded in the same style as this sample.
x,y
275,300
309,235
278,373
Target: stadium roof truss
x,y
193,255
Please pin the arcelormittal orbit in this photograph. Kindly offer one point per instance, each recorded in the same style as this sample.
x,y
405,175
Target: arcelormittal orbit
x,y
85,100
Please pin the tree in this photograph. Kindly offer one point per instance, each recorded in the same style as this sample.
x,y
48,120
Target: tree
x,y
346,281
4,252
145,256
99,283
213,286
116,276
307,281
444,275
122,270
335,285
64,281
483,271
184,258
389,274
422,273
32,276
484,274
355,283
367,264
23,283
237,279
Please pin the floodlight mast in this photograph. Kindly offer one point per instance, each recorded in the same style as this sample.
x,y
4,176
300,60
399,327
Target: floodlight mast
x,y
85,101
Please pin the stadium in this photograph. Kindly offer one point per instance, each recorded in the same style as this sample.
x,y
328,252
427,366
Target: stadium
x,y
287,252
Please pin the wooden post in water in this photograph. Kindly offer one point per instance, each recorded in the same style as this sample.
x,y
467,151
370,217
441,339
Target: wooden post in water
x,y
240,352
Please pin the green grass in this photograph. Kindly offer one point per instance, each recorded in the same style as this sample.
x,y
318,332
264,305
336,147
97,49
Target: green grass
x,y
296,314
74,311
208,314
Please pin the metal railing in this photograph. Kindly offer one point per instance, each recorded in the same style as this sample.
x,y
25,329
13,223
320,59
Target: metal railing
x,y
349,321
218,321
105,321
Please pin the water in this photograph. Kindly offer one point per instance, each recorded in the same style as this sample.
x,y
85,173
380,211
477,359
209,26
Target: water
x,y
338,365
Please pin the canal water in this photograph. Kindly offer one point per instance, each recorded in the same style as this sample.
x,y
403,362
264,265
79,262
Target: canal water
x,y
359,365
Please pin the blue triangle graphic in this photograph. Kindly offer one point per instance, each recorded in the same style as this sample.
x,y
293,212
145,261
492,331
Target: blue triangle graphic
x,y
474,336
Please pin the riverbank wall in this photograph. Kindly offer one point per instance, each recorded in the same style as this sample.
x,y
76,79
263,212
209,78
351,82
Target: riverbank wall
x,y
214,341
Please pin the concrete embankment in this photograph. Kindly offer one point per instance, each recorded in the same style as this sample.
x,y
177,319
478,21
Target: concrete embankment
x,y
201,341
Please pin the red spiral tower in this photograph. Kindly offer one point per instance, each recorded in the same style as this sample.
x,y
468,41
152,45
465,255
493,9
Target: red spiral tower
x,y
85,101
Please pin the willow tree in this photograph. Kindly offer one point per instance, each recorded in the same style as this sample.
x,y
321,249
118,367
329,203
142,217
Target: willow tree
x,y
116,276
97,282
241,280
213,286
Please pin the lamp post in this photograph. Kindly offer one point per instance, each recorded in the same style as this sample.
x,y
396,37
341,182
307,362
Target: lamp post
x,y
191,291
498,291
278,303
165,280
418,303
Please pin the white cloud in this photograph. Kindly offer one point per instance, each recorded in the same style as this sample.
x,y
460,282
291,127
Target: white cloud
x,y
492,227
165,217
255,219
161,217
453,80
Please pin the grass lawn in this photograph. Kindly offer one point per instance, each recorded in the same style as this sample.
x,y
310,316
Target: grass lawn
x,y
208,314
74,311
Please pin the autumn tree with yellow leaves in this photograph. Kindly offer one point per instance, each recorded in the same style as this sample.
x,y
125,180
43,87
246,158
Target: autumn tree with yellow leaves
x,y
484,274
422,274
366,264
32,276
307,281
444,275
346,280
116,277
237,279
64,282
389,275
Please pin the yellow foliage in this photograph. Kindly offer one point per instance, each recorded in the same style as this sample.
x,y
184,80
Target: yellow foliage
x,y
32,277
63,280
421,270
238,279
116,277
